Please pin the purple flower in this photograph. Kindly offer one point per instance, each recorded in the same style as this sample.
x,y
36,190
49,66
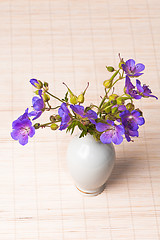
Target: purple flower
x,y
90,114
144,90
130,89
131,69
22,128
130,133
38,105
36,83
65,117
132,119
111,132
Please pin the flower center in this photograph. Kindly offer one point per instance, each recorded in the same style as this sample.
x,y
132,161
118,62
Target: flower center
x,y
25,131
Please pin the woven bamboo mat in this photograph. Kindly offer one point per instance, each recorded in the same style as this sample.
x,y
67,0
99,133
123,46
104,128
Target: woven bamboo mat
x,y
72,41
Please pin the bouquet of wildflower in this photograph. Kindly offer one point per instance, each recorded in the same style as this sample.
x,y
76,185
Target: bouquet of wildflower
x,y
115,116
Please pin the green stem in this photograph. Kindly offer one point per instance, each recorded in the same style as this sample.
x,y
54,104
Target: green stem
x,y
53,108
111,79
54,97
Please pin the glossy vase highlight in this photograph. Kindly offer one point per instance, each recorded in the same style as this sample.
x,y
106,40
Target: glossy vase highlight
x,y
90,164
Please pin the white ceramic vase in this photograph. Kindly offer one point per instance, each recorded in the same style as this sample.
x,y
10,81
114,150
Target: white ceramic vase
x,y
90,164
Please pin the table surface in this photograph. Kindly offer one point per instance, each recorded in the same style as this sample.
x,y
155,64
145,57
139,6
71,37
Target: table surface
x,y
72,41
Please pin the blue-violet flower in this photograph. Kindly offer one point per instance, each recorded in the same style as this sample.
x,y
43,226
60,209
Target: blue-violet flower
x,y
132,119
132,69
65,117
90,114
38,105
144,90
22,129
111,132
130,89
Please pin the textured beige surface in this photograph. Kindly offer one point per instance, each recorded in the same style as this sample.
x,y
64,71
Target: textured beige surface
x,y
73,41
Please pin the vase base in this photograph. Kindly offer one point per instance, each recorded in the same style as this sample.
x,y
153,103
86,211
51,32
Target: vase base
x,y
91,193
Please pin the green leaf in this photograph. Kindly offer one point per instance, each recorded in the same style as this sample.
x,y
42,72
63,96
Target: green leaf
x,y
83,133
66,97
82,127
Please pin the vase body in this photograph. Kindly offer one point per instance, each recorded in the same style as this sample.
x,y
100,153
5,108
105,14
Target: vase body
x,y
90,164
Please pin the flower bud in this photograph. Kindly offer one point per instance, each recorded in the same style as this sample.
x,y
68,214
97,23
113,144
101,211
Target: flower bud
x,y
113,97
45,84
39,85
114,109
46,97
36,83
110,69
37,125
130,106
107,83
57,117
80,98
52,118
54,126
120,64
120,100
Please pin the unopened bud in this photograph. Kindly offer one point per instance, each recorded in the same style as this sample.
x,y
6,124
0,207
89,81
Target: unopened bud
x,y
45,84
113,97
107,83
80,98
120,64
54,126
57,117
130,106
37,125
119,100
39,85
110,69
114,109
52,118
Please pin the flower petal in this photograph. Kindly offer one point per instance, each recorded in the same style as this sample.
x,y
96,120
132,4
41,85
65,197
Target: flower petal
x,y
139,87
63,126
34,99
39,104
133,133
139,68
135,113
78,109
106,138
38,114
33,81
63,109
140,121
23,139
117,139
127,137
91,114
17,124
120,129
101,127
32,132
130,64
15,134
